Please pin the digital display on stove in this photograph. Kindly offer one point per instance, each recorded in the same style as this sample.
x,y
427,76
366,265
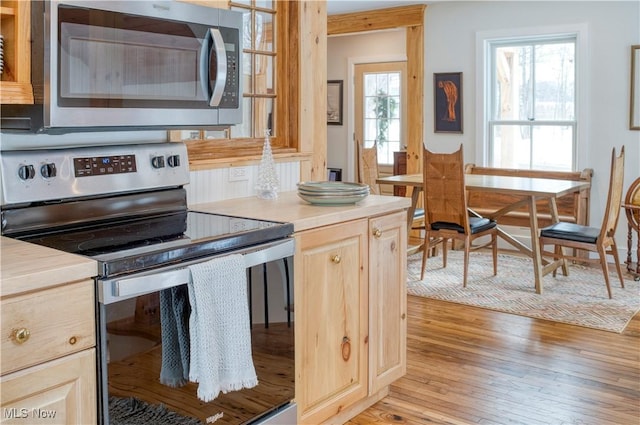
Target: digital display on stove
x,y
104,165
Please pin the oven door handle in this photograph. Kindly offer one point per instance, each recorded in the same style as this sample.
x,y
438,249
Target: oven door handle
x,y
128,287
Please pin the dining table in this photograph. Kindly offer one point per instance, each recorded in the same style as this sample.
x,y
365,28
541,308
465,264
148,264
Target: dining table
x,y
527,190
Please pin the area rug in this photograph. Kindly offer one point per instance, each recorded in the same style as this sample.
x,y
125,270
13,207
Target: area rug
x,y
131,411
578,299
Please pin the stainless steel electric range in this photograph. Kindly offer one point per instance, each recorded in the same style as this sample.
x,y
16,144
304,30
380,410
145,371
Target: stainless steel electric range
x,y
125,206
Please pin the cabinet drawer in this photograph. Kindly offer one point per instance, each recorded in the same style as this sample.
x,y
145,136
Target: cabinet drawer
x,y
46,325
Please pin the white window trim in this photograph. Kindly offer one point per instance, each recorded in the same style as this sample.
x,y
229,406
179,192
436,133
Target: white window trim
x,y
483,38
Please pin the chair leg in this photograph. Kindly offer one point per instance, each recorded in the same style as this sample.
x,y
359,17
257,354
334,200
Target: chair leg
x,y
266,296
494,249
614,252
605,269
467,248
445,243
425,252
565,268
250,298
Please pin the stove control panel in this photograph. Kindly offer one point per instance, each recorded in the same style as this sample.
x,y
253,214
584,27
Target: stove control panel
x,y
100,165
56,174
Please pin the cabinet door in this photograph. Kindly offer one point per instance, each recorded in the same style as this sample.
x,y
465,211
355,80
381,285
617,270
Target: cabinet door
x,y
61,391
331,319
387,299
15,84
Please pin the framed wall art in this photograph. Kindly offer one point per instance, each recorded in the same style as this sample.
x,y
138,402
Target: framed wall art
x,y
334,102
447,97
634,116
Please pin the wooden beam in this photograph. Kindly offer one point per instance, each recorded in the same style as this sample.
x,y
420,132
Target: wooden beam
x,y
372,20
312,75
415,97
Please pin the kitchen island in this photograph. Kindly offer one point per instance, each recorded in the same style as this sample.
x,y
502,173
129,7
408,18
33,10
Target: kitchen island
x,y
350,311
349,297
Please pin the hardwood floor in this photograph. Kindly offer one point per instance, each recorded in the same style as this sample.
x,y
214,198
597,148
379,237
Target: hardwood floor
x,y
474,366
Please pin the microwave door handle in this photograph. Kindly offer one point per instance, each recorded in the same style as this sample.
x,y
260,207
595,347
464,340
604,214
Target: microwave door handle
x,y
219,81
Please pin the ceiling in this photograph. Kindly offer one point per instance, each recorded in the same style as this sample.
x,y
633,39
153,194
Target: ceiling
x,y
346,6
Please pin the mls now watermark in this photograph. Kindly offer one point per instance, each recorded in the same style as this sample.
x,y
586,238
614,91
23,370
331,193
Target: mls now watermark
x,y
24,413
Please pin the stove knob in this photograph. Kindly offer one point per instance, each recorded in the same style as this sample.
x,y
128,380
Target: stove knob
x,y
48,170
173,161
26,172
157,162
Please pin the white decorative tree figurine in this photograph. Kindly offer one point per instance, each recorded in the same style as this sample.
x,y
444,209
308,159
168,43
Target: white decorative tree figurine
x,y
267,187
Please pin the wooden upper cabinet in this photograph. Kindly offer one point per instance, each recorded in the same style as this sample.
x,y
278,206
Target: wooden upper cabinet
x,y
15,85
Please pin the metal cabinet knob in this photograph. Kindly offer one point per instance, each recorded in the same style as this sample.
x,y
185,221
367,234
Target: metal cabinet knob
x,y
21,335
377,232
336,259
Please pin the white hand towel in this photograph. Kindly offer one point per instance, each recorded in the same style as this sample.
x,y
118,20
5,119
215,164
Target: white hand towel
x,y
219,325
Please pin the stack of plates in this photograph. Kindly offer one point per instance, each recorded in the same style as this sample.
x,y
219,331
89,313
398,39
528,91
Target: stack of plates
x,y
332,193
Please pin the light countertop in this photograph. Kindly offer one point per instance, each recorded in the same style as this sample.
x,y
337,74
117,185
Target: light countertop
x,y
28,267
290,208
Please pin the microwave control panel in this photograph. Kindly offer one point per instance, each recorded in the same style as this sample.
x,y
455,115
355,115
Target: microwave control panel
x,y
231,96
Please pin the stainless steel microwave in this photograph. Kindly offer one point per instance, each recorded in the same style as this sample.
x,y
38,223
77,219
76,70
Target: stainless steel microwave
x,y
110,65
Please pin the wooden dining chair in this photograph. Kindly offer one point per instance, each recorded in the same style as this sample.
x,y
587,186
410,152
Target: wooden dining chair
x,y
579,237
368,173
446,214
368,167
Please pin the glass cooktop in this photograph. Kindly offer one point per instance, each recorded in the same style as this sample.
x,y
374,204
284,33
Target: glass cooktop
x,y
141,243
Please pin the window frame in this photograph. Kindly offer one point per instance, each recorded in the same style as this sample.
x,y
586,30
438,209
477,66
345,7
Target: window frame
x,y
484,122
203,151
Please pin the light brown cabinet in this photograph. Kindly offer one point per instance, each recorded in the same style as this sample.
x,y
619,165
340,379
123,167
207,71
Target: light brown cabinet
x,y
61,391
48,356
351,315
15,84
387,300
331,321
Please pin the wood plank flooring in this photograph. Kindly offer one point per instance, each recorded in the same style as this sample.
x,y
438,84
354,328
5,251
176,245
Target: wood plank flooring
x,y
474,366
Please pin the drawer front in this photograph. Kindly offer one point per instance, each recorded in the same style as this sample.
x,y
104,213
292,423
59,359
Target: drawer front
x,y
46,325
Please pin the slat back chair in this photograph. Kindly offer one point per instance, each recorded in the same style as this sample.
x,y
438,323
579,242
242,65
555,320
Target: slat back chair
x,y
446,214
600,240
368,167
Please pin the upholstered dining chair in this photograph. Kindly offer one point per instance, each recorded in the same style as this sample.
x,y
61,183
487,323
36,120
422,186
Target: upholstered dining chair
x,y
446,214
600,240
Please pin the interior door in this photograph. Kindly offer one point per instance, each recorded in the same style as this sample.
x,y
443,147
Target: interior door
x,y
380,110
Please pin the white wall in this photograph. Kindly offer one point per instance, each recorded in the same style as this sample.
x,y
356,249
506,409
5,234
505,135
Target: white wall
x,y
612,27
451,28
343,53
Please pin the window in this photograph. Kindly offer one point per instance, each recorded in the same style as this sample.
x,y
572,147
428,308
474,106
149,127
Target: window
x,y
379,93
531,103
267,87
258,61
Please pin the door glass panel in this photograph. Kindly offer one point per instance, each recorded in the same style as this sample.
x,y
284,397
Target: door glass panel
x,y
382,113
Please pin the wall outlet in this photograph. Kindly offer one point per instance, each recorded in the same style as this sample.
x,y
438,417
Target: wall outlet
x,y
237,174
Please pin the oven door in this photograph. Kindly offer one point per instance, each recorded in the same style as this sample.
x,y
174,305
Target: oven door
x,y
131,338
